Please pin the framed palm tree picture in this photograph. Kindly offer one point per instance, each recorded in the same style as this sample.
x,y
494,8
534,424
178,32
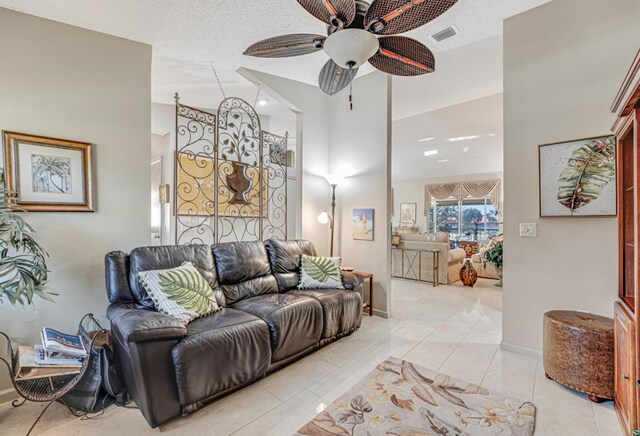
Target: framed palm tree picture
x,y
48,174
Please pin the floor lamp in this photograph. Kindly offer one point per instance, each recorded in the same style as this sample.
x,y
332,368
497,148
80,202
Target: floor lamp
x,y
325,217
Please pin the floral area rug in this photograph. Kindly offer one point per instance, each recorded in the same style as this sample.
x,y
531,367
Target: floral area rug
x,y
400,398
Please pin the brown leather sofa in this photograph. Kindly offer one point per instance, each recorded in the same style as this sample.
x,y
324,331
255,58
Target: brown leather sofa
x,y
172,369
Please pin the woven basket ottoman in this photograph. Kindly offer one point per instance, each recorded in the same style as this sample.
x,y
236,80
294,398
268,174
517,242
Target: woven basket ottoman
x,y
578,352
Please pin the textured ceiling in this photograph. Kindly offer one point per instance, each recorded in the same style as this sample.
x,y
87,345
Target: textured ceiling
x,y
197,32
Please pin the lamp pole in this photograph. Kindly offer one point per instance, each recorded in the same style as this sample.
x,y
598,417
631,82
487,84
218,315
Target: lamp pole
x,y
333,214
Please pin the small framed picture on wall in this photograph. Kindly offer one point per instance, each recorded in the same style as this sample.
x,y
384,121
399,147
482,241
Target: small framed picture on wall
x,y
48,174
408,213
578,178
363,224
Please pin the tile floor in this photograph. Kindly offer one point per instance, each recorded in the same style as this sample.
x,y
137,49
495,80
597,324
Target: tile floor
x,y
452,329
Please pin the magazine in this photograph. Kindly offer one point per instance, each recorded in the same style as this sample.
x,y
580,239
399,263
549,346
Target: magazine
x,y
55,359
27,368
69,345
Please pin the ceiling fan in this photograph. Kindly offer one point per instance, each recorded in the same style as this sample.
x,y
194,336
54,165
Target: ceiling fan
x,y
359,32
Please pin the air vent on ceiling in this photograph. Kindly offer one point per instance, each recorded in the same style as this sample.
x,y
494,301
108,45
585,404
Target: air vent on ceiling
x,y
445,34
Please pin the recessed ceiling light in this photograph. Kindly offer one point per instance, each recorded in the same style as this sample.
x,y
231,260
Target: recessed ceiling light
x,y
263,102
430,153
426,139
462,138
444,160
466,149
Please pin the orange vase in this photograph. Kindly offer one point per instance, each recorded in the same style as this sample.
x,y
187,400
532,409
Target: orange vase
x,y
468,274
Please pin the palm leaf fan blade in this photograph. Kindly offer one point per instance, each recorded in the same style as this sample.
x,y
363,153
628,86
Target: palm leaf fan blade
x,y
297,44
333,78
337,13
402,56
390,17
590,168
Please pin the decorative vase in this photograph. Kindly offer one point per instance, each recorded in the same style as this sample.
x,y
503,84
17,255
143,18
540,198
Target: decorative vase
x,y
468,274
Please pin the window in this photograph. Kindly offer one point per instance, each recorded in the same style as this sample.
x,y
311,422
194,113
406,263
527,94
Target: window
x,y
471,219
447,218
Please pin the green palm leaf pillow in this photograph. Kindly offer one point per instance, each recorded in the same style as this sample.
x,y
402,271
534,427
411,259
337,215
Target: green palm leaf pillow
x,y
180,292
320,273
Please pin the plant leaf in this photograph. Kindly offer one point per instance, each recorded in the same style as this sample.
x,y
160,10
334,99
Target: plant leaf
x,y
320,268
590,168
188,289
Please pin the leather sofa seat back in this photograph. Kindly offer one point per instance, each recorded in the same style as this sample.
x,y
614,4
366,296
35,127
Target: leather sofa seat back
x,y
166,257
285,261
116,271
243,270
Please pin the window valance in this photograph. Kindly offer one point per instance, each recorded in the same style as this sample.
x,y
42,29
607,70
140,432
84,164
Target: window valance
x,y
491,189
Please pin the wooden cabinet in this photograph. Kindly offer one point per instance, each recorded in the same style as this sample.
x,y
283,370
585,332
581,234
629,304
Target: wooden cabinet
x,y
627,347
625,366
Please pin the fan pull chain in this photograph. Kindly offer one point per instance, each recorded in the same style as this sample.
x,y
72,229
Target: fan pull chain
x,y
215,73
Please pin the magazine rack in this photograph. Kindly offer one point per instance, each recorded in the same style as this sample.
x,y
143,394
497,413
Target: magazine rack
x,y
49,389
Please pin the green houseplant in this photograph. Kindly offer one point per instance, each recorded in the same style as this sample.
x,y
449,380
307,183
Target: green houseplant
x,y
494,256
23,268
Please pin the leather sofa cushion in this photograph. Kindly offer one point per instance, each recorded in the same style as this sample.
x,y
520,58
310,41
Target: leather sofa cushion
x,y
243,270
295,321
220,351
342,309
165,257
116,272
285,260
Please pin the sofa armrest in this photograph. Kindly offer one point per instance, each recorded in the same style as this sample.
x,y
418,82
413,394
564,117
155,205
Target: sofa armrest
x,y
137,324
351,280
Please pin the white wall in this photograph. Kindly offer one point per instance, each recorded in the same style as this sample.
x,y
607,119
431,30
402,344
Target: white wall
x,y
360,147
563,64
65,82
412,191
311,106
357,143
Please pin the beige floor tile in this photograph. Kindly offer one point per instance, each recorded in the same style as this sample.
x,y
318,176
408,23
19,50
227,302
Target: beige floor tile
x,y
287,417
227,415
468,362
293,379
606,419
338,382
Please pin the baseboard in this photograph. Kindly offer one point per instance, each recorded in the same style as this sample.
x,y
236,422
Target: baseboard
x,y
380,313
8,395
521,350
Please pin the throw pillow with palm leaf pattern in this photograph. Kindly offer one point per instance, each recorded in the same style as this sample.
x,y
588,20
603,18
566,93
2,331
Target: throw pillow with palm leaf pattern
x,y
320,273
180,292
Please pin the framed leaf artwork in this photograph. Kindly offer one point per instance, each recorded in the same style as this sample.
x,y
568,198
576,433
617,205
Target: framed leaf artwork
x,y
578,178
48,174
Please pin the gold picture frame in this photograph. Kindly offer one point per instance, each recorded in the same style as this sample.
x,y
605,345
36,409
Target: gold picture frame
x,y
46,174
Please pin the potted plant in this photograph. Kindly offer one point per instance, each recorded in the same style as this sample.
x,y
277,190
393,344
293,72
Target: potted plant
x,y
494,256
23,268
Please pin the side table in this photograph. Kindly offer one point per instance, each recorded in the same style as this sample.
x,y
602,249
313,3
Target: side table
x,y
369,276
435,252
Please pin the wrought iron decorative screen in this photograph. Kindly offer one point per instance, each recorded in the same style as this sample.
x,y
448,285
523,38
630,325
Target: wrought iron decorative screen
x,y
230,176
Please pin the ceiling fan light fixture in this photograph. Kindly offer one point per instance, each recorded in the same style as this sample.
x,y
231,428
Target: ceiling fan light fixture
x,y
351,47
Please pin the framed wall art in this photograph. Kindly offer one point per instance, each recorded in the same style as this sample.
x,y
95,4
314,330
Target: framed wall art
x,y
363,224
48,174
578,178
408,213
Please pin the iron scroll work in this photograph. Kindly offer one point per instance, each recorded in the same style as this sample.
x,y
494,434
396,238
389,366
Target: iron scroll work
x,y
230,176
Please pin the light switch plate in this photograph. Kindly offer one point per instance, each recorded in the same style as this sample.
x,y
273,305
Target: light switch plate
x,y
528,230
